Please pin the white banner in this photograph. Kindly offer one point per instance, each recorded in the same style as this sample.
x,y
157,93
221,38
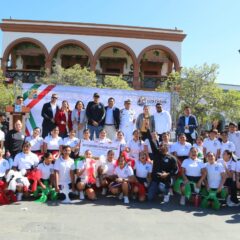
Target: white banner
x,y
99,149
37,96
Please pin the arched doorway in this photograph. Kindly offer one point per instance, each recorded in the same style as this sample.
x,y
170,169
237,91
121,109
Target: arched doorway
x,y
24,59
70,52
116,59
156,63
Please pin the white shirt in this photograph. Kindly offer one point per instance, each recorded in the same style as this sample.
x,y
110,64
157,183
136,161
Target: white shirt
x,y
214,172
238,166
126,118
235,138
71,142
46,170
135,148
2,136
53,143
25,161
109,168
211,145
54,109
64,167
86,165
193,167
180,149
36,143
109,116
227,146
199,148
4,166
142,170
124,172
230,165
163,122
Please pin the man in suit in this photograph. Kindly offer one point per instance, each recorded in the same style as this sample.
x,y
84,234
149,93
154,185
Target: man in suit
x,y
187,124
112,119
48,113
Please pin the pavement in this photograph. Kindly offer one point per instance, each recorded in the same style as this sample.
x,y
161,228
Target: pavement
x,y
108,218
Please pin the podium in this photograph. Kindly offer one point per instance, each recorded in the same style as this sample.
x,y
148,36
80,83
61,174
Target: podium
x,y
15,113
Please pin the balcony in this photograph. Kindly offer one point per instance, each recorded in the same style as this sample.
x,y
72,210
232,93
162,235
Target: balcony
x,y
25,75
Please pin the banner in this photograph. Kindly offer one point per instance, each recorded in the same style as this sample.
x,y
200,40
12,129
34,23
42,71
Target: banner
x,y
35,95
99,149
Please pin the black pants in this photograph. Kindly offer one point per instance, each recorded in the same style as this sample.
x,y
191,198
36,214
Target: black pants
x,y
233,189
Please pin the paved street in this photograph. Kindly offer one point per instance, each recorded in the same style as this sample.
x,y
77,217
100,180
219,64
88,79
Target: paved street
x,y
108,218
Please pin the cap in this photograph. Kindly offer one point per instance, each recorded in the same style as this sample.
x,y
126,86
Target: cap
x,y
127,101
233,124
96,95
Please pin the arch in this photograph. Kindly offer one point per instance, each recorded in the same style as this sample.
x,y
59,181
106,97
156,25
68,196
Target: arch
x,y
73,42
115,44
22,40
163,48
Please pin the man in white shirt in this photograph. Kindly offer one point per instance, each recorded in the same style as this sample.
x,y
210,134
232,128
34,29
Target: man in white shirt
x,y
226,144
127,120
162,120
112,119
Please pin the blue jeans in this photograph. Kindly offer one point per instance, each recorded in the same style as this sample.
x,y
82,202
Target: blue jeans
x,y
94,129
156,188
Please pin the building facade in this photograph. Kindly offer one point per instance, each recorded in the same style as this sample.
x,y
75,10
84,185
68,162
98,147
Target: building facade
x,y
143,56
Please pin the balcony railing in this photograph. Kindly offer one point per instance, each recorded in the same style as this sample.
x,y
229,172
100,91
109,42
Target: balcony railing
x,y
26,76
152,82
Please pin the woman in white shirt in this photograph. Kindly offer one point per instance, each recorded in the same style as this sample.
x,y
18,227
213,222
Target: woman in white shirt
x,y
135,146
121,140
79,119
143,174
106,171
53,143
36,141
124,175
73,142
230,166
181,148
192,171
86,176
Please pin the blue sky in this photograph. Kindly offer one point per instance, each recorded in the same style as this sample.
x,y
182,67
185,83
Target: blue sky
x,y
212,26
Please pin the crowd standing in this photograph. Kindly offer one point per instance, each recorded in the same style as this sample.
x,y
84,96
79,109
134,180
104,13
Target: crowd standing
x,y
149,164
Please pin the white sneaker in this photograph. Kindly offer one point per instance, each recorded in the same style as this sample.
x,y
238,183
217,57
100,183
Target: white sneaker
x,y
120,196
81,195
182,200
98,182
19,196
166,198
104,191
230,203
125,200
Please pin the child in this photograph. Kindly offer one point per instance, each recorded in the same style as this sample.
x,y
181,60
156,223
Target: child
x,y
143,175
47,169
106,171
199,146
4,166
123,176
64,171
86,176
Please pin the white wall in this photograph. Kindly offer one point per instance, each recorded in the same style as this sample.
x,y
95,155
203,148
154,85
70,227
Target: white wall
x,y
93,42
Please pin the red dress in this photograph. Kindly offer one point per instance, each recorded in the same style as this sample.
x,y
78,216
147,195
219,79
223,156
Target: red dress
x,y
59,117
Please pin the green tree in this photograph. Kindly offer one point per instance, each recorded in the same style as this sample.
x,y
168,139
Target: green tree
x,y
115,82
197,88
7,93
76,76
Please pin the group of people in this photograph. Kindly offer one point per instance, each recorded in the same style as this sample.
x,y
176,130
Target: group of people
x,y
149,164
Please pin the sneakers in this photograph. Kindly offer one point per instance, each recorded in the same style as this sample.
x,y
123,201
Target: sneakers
x,y
166,198
81,195
19,196
125,200
104,191
120,196
231,203
182,200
